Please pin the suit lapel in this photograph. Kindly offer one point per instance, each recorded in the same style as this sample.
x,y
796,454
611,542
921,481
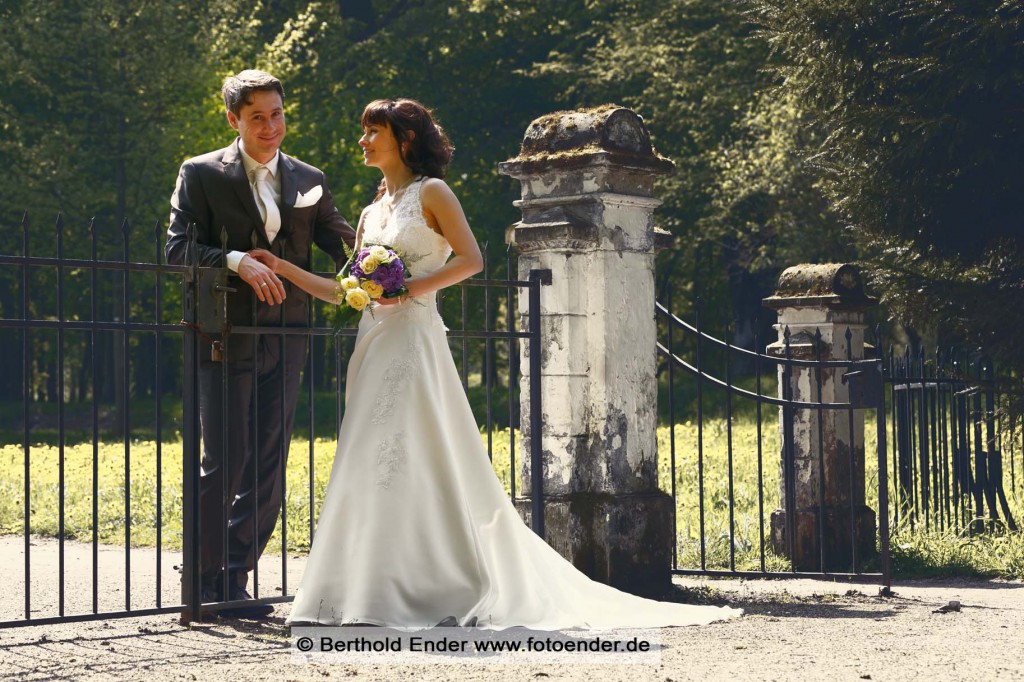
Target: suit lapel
x,y
289,188
235,173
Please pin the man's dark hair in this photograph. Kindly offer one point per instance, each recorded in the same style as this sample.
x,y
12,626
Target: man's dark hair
x,y
238,89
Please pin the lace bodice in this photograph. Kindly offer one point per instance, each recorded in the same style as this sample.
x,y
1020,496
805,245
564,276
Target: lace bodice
x,y
399,223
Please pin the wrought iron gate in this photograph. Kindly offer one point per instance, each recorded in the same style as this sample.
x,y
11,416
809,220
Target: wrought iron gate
x,y
81,312
727,469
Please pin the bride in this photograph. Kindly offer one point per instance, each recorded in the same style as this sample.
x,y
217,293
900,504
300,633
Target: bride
x,y
415,528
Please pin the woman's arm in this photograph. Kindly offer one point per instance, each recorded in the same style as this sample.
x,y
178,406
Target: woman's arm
x,y
442,209
323,288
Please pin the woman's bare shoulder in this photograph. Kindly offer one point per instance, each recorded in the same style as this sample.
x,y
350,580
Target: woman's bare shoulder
x,y
436,188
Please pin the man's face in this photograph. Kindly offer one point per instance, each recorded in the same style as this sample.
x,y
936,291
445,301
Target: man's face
x,y
260,124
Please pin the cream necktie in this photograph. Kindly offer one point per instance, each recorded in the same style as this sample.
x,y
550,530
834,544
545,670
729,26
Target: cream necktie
x,y
266,204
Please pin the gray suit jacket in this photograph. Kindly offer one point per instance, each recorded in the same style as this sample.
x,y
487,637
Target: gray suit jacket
x,y
214,193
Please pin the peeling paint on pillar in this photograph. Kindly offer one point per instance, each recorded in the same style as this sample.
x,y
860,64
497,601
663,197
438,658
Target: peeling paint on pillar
x,y
587,202
829,299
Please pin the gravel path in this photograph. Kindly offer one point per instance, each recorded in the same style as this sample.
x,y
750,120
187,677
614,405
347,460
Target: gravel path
x,y
792,630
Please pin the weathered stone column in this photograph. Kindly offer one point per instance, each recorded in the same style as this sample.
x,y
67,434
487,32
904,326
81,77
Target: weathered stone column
x,y
829,299
587,201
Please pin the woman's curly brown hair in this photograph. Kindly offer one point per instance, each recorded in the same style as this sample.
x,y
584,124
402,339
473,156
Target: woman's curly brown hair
x,y
423,145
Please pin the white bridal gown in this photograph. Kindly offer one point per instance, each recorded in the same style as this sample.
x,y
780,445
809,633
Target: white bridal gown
x,y
415,526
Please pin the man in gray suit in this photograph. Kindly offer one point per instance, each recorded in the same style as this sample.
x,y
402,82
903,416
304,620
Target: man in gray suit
x,y
261,198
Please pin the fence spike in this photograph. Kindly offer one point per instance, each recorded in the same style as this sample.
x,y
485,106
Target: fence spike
x,y
92,238
125,231
24,235
60,236
157,233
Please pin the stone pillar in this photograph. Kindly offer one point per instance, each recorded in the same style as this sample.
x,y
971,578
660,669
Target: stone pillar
x,y
587,202
829,299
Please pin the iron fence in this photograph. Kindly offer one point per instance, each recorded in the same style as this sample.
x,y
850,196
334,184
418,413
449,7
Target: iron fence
x,y
948,421
103,347
952,436
740,456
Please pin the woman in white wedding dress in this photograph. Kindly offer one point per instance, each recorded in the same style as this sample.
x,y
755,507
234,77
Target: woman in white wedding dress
x,y
415,528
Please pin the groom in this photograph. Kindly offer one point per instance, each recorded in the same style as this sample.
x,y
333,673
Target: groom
x,y
262,199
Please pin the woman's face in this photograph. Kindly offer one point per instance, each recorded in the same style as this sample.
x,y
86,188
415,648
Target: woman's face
x,y
380,148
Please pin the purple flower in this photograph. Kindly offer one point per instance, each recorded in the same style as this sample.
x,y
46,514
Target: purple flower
x,y
390,276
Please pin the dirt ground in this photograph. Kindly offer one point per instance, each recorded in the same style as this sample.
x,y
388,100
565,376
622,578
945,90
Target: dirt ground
x,y
792,630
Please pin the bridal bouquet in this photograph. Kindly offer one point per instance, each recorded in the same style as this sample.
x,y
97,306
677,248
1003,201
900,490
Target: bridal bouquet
x,y
376,271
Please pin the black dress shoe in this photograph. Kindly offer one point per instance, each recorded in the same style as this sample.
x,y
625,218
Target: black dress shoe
x,y
255,612
449,622
207,595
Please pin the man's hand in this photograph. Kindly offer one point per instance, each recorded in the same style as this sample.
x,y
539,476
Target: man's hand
x,y
262,279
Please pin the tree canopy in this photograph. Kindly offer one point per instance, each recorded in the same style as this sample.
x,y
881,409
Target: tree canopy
x,y
802,130
919,106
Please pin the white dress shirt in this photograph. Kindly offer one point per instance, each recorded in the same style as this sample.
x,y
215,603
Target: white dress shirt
x,y
250,164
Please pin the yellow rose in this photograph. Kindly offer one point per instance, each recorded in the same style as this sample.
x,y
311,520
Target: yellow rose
x,y
369,264
380,254
372,288
357,298
349,283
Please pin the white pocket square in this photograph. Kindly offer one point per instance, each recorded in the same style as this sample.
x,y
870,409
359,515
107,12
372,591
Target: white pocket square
x,y
309,198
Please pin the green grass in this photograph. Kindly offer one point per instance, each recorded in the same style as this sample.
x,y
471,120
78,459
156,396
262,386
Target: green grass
x,y
78,416
744,500
110,499
915,552
928,554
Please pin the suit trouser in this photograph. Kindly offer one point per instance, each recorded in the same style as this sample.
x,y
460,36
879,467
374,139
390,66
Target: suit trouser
x,y
256,413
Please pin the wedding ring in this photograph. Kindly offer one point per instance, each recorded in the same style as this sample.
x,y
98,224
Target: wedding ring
x,y
263,284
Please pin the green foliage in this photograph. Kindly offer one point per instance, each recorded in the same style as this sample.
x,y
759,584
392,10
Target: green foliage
x,y
916,552
110,500
468,61
95,98
927,554
104,136
740,205
751,487
920,142
141,498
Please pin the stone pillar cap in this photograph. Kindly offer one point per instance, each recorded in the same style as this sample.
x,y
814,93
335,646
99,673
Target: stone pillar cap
x,y
836,285
569,139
